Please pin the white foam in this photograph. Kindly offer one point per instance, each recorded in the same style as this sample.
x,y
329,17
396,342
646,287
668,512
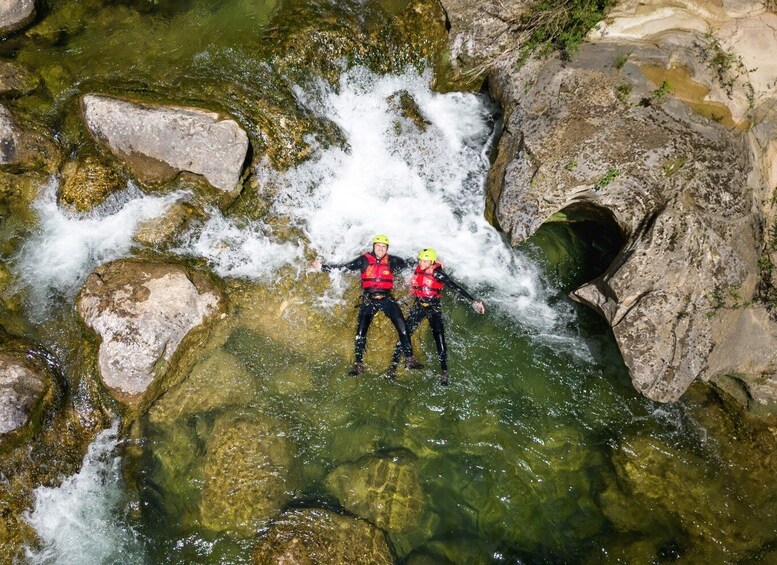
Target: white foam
x,y
422,188
81,520
244,250
66,246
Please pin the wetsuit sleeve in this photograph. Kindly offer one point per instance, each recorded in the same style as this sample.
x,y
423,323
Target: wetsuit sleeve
x,y
445,279
358,264
399,263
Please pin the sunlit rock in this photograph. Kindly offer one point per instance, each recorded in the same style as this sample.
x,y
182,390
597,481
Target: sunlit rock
x,y
321,536
159,142
164,229
25,382
141,312
250,473
15,14
86,183
385,490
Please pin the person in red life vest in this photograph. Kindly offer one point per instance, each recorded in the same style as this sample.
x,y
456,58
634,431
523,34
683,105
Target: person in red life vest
x,y
428,281
377,273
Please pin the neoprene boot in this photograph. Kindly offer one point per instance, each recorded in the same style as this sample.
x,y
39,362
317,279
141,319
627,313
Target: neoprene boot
x,y
444,378
357,369
391,372
412,363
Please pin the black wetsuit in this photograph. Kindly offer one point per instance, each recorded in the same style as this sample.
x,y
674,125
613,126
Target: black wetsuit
x,y
431,309
374,301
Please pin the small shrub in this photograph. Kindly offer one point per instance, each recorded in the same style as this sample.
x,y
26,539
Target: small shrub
x,y
623,92
620,60
608,177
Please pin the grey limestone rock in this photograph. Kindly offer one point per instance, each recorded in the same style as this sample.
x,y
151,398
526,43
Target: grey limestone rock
x,y
141,312
159,142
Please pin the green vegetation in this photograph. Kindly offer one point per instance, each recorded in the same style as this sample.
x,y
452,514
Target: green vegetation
x,y
673,165
620,60
571,165
548,26
608,177
728,66
662,90
623,90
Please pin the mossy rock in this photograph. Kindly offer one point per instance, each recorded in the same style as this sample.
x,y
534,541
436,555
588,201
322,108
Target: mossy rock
x,y
321,536
15,80
250,474
402,103
163,230
384,490
86,183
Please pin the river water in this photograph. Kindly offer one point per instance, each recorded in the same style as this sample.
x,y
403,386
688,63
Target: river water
x,y
540,451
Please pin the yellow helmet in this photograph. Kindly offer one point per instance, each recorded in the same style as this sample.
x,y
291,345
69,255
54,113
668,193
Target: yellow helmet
x,y
380,238
427,254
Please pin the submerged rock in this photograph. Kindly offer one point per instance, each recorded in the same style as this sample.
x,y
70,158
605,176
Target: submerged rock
x,y
15,80
385,490
159,142
164,229
23,148
321,536
250,473
665,489
86,183
15,14
141,312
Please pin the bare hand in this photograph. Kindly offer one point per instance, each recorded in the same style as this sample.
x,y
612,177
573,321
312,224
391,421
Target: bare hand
x,y
477,305
315,265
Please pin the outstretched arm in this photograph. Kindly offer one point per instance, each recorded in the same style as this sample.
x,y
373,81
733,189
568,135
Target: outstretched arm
x,y
445,279
357,264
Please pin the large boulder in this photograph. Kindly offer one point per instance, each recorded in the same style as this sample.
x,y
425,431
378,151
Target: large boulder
x,y
320,536
15,14
160,142
250,473
141,312
650,135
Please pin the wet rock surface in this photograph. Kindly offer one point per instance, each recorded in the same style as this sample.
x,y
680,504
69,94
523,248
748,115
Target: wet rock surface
x,y
88,182
159,142
15,80
249,474
25,382
321,536
141,312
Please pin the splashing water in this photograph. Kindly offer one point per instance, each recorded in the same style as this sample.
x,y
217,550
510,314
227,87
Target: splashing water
x,y
77,522
421,185
239,251
66,246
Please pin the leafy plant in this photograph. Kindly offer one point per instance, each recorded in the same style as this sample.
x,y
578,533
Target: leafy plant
x,y
546,26
662,90
571,165
608,177
623,92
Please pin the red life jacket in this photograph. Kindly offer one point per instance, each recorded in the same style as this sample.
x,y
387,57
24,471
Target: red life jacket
x,y
377,275
424,284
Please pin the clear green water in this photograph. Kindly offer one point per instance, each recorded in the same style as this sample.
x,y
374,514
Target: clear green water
x,y
535,454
